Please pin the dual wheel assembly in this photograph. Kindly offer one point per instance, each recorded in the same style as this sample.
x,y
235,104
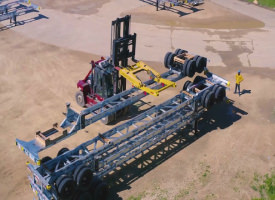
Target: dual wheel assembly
x,y
210,96
81,185
187,65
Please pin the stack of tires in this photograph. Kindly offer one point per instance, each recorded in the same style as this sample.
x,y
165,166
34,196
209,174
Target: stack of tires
x,y
210,96
80,185
189,67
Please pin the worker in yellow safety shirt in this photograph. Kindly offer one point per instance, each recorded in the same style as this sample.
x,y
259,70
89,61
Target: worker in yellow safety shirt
x,y
239,79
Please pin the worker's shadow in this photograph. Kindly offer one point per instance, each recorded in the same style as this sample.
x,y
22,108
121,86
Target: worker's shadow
x,y
23,22
219,116
244,91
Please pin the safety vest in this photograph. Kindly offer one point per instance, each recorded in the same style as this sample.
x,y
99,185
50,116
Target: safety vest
x,y
239,78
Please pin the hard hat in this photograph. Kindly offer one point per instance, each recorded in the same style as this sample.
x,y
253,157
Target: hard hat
x,y
239,71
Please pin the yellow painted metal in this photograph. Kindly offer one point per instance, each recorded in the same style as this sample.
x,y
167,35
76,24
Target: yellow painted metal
x,y
129,74
48,187
228,83
38,162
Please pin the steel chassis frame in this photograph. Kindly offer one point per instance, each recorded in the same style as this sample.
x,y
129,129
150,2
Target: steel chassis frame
x,y
177,2
12,16
76,121
111,149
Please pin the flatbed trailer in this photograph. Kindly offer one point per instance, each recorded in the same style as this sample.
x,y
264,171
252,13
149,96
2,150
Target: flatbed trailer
x,y
162,3
65,177
12,15
76,121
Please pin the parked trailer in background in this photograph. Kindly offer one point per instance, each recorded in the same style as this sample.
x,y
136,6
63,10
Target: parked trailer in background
x,y
11,11
162,3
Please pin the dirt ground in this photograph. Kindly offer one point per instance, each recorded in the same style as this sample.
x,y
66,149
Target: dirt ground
x,y
208,15
235,141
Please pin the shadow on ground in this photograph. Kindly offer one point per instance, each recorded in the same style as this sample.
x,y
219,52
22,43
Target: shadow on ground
x,y
245,92
173,8
219,116
23,22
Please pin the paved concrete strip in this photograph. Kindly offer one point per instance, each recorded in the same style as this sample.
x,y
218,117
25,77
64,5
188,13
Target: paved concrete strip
x,y
257,12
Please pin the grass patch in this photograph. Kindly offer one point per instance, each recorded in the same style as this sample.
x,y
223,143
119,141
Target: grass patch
x,y
265,186
267,3
138,197
205,174
182,194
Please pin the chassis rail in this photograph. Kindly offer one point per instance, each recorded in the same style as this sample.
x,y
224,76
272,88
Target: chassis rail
x,y
111,149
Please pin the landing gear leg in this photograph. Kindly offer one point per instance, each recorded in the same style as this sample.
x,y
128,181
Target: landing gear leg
x,y
195,126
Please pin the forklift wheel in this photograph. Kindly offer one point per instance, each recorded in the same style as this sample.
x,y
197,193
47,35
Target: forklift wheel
x,y
108,119
80,98
166,59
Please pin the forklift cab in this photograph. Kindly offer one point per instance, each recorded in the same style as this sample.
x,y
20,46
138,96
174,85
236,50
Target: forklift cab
x,y
103,79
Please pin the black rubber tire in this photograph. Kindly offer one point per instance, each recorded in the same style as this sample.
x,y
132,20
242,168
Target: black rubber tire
x,y
195,58
84,178
126,110
77,170
59,179
95,182
209,99
166,59
177,51
170,62
101,191
190,69
220,94
79,97
215,87
189,85
204,96
201,63
80,195
108,119
197,79
180,51
45,159
66,187
62,151
184,67
185,85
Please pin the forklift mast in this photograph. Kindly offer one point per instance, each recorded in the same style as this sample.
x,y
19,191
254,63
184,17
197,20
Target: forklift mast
x,y
123,46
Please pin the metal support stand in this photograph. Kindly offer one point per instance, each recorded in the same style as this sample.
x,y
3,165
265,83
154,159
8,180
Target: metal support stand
x,y
196,121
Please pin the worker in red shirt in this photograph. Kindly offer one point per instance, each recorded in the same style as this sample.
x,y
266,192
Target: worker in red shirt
x,y
239,79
